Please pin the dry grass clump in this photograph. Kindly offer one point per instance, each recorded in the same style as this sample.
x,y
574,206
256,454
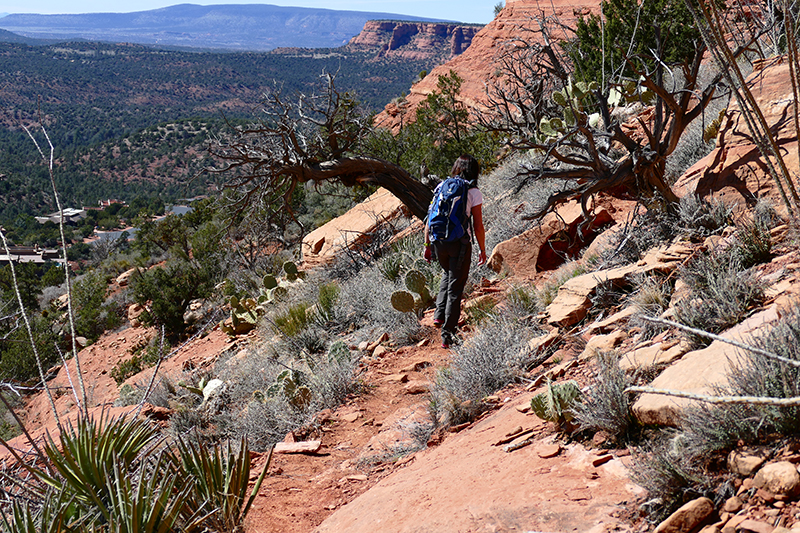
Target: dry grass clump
x,y
494,356
365,303
262,409
607,407
671,477
651,297
722,293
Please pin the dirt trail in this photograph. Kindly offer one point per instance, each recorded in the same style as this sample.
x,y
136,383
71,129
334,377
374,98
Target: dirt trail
x,y
362,479
466,483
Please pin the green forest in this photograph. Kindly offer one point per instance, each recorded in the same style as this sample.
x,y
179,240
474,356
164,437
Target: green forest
x,y
129,121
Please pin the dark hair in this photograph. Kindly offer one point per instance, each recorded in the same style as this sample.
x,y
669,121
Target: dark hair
x,y
467,167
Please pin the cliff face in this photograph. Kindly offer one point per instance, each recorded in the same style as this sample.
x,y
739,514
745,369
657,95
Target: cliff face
x,y
413,40
478,63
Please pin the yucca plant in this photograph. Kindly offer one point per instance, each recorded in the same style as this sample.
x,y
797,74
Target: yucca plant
x,y
88,453
155,500
221,482
55,514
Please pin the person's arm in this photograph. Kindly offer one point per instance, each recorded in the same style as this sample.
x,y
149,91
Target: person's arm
x,y
480,232
426,252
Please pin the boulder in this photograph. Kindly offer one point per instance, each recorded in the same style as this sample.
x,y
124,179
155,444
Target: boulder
x,y
354,229
779,478
734,171
660,353
698,372
602,343
544,247
134,310
572,301
688,518
745,461
124,278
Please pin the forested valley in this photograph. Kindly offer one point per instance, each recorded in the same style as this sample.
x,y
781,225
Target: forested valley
x,y
129,121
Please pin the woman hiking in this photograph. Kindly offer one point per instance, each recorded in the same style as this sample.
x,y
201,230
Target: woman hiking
x,y
448,237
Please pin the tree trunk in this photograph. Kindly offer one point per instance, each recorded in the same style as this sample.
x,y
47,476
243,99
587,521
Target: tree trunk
x,y
369,171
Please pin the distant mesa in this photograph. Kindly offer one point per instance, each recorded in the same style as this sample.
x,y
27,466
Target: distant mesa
x,y
254,27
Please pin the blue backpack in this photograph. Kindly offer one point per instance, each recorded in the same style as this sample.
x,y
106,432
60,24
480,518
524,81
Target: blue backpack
x,y
447,215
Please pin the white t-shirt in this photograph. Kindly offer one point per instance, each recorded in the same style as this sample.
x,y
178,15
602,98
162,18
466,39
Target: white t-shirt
x,y
474,197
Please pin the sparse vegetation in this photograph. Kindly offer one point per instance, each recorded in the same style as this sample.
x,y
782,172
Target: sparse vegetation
x,y
722,292
607,407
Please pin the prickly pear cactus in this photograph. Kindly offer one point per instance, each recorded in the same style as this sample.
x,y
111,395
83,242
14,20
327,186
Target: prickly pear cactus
x,y
244,316
555,404
288,384
403,301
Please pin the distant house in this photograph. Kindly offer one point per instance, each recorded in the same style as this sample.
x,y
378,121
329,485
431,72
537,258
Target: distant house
x,y
109,202
28,254
71,216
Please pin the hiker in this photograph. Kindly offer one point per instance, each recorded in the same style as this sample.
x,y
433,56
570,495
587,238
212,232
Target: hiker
x,y
448,237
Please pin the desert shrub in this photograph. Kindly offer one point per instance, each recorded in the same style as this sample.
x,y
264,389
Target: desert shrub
x,y
494,356
327,299
480,311
607,407
264,413
722,293
607,296
698,218
143,358
670,476
18,361
651,297
365,302
94,314
522,301
693,218
293,320
710,428
753,244
168,291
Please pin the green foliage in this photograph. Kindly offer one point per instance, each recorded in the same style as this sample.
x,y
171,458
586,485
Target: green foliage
x,y
574,100
93,313
118,476
405,302
221,481
557,402
169,290
294,319
289,384
631,29
245,313
327,298
18,361
438,135
110,145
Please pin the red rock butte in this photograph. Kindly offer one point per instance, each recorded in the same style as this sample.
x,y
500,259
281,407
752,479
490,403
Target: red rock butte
x,y
477,65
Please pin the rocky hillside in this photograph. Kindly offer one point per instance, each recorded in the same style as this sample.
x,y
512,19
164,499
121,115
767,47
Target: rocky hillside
x,y
478,64
413,40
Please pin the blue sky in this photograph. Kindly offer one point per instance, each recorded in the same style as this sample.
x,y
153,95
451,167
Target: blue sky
x,y
481,11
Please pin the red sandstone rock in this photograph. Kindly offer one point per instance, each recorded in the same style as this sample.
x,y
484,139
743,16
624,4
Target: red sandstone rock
x,y
734,171
478,64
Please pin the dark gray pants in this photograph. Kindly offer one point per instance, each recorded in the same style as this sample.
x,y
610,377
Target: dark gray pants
x,y
454,258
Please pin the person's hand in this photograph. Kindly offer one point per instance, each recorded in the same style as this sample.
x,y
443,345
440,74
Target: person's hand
x,y
427,254
482,258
